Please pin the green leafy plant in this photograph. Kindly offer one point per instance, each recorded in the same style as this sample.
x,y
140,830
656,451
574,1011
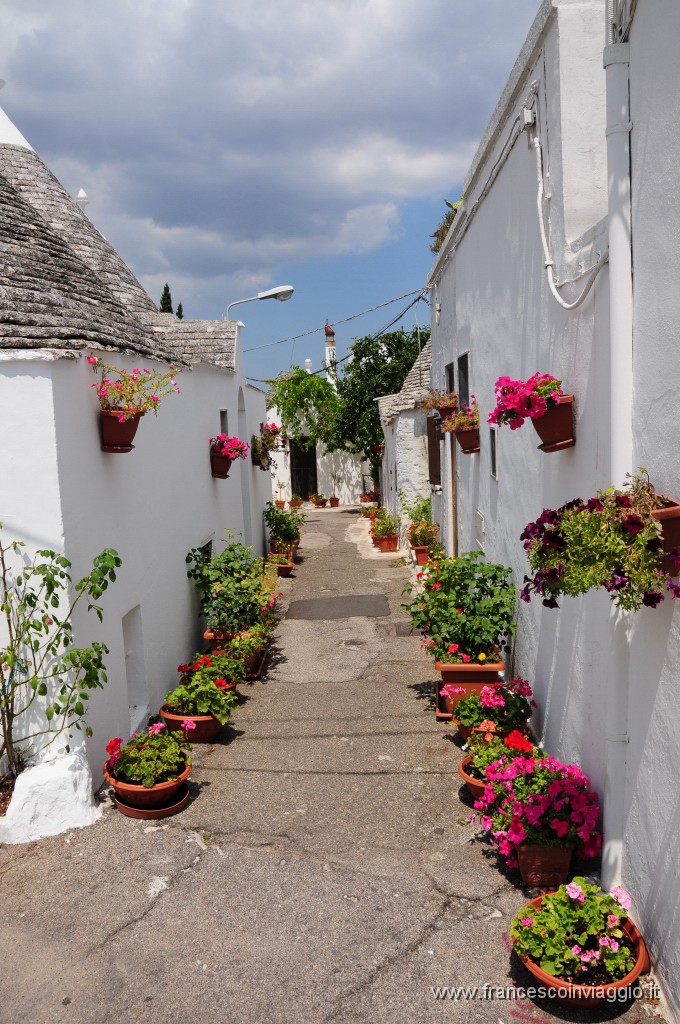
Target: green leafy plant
x,y
148,757
385,524
576,935
202,687
230,587
464,608
276,559
417,511
337,479
283,526
41,669
307,404
442,230
610,541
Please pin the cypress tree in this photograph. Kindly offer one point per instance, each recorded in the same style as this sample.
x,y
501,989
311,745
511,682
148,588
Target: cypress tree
x,y
166,300
180,312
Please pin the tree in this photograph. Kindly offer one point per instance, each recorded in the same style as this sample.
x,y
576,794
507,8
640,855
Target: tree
x,y
307,404
378,367
180,312
166,300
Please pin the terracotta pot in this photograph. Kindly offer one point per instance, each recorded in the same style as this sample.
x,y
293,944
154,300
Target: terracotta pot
x,y
543,865
295,504
420,551
388,542
161,796
255,663
470,677
669,518
588,994
283,571
207,727
475,786
117,437
279,503
556,426
468,440
220,466
334,502
321,504
218,639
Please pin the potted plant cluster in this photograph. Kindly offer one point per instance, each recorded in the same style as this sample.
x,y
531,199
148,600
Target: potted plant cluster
x,y
541,400
464,608
223,451
580,942
368,496
385,530
613,541
423,534
498,708
124,397
263,445
205,694
464,423
148,773
283,528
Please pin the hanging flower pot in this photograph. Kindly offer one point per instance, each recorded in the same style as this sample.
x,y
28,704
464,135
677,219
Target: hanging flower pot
x,y
556,426
220,466
117,436
669,518
468,440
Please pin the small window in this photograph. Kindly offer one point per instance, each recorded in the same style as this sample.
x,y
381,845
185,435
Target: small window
x,y
463,380
493,452
224,421
450,380
433,453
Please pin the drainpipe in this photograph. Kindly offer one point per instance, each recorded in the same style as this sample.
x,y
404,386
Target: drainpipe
x,y
616,61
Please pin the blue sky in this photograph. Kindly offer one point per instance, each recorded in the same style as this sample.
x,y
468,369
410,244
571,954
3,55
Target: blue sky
x,y
227,148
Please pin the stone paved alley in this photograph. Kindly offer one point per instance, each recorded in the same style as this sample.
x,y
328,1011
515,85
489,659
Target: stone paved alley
x,y
325,869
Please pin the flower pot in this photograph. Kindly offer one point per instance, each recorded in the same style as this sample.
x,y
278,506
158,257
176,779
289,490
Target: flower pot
x,y
207,727
591,995
468,440
218,639
117,437
255,663
295,504
669,518
446,412
475,786
556,426
164,796
279,503
388,542
420,551
220,466
321,504
543,865
283,571
470,677
334,502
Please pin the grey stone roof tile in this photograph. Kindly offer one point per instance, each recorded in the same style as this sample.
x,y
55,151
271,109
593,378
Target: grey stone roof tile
x,y
415,387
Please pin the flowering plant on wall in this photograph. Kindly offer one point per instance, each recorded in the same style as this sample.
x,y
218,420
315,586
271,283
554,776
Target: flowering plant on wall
x,y
438,399
611,541
131,393
467,418
535,799
465,609
576,933
518,400
263,446
231,447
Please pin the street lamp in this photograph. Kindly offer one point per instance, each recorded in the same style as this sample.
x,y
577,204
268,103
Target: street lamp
x,y
281,293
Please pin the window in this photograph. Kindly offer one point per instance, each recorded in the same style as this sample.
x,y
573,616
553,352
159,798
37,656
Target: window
x,y
463,380
493,452
224,421
450,381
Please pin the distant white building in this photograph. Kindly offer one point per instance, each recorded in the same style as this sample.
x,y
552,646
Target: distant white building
x,y
64,293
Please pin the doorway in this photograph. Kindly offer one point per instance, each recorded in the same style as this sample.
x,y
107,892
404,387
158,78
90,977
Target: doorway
x,y
302,467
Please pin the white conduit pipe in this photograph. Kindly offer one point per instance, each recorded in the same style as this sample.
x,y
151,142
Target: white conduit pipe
x,y
547,256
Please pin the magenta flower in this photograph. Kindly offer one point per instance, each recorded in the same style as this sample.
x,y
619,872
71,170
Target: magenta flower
x,y
575,892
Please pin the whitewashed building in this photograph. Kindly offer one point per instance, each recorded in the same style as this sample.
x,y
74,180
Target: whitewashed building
x,y
65,293
563,258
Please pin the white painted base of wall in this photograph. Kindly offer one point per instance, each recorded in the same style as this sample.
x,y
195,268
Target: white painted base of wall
x,y
50,798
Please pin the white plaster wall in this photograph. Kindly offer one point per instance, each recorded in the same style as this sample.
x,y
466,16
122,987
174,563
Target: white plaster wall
x,y
496,306
152,505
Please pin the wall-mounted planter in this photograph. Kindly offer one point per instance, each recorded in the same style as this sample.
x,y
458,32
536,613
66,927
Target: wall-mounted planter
x,y
446,412
468,440
669,518
117,437
220,466
556,426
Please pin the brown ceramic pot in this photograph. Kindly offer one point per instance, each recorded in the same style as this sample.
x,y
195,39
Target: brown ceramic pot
x,y
475,786
420,551
468,440
207,727
669,518
117,437
388,542
556,426
220,466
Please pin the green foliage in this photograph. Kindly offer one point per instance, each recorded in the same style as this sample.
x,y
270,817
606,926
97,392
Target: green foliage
x,y
165,305
416,511
147,758
39,659
513,712
180,312
230,587
565,935
201,689
378,367
442,230
307,404
275,559
465,603
385,524
283,525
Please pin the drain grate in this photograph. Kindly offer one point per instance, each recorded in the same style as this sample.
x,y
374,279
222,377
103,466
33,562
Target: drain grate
x,y
341,607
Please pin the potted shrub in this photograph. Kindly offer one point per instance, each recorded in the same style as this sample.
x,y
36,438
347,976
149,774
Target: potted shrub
x,y
540,399
443,402
465,425
385,530
464,608
250,647
204,694
537,811
149,772
580,943
498,708
280,502
283,564
612,541
223,451
423,534
124,397
284,528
